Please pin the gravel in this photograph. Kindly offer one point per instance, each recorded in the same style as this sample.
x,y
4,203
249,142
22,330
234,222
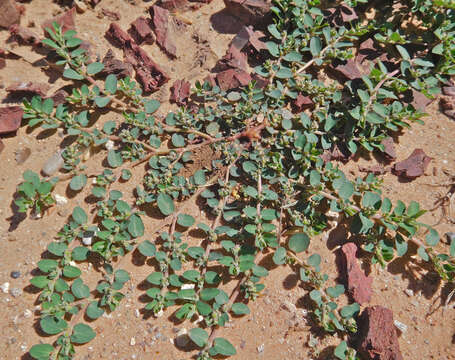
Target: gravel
x,y
15,274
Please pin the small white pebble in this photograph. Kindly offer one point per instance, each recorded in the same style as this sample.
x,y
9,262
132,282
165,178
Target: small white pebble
x,y
27,313
94,181
409,292
87,241
109,145
260,348
133,341
60,200
400,326
188,286
445,161
5,287
198,320
159,314
137,313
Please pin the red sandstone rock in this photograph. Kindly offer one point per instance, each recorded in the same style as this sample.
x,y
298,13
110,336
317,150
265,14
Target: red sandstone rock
x,y
10,119
142,31
162,24
180,92
232,79
414,166
9,13
117,36
40,89
249,11
65,20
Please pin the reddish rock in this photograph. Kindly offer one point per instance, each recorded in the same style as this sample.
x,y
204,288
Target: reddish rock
x,y
162,24
23,35
449,90
173,4
338,152
414,166
232,79
94,2
246,36
40,89
378,339
211,80
341,14
59,97
117,37
141,31
419,100
10,119
148,73
180,92
115,66
369,51
302,103
389,148
111,15
349,70
234,59
9,13
65,20
377,169
359,285
249,11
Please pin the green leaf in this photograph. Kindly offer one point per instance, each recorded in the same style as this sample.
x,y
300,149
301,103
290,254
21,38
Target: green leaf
x,y
349,311
94,68
79,215
340,350
423,254
185,220
165,204
150,106
432,238
79,289
114,159
94,311
284,73
102,101
72,74
198,336
223,347
315,46
346,190
155,278
178,140
82,334
403,52
110,84
135,226
122,276
52,325
41,351
199,177
78,182
39,281
240,309
47,265
299,242
279,257
71,271
146,248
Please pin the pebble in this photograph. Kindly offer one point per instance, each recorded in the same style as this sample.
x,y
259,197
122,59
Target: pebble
x,y
409,292
188,286
54,163
260,348
60,200
400,326
16,292
80,6
182,339
288,306
133,341
15,274
137,313
109,145
5,287
450,236
27,313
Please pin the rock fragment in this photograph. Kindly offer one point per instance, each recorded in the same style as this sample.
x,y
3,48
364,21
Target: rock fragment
x,y
414,166
28,88
117,37
9,13
359,285
249,11
173,4
10,119
54,164
180,92
22,155
65,20
141,31
182,339
163,27
24,36
301,103
2,58
111,15
389,148
115,66
232,79
378,338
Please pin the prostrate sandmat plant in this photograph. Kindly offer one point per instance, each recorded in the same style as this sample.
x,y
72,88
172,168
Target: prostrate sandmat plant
x,y
267,190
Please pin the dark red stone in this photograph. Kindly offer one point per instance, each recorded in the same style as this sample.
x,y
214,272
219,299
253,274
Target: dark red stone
x,y
111,15
115,66
117,37
359,285
232,79
173,4
302,103
377,169
10,119
163,29
378,339
414,166
65,20
148,73
142,31
249,11
389,148
23,35
180,92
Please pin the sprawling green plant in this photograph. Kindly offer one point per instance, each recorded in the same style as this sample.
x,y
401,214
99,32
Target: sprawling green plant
x,y
267,189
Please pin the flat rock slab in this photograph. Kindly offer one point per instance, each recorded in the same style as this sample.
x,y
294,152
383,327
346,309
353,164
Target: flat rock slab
x,y
164,31
180,92
9,13
359,285
249,11
378,339
10,119
65,20
414,166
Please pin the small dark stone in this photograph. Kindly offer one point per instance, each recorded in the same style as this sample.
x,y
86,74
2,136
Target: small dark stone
x,y
15,274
